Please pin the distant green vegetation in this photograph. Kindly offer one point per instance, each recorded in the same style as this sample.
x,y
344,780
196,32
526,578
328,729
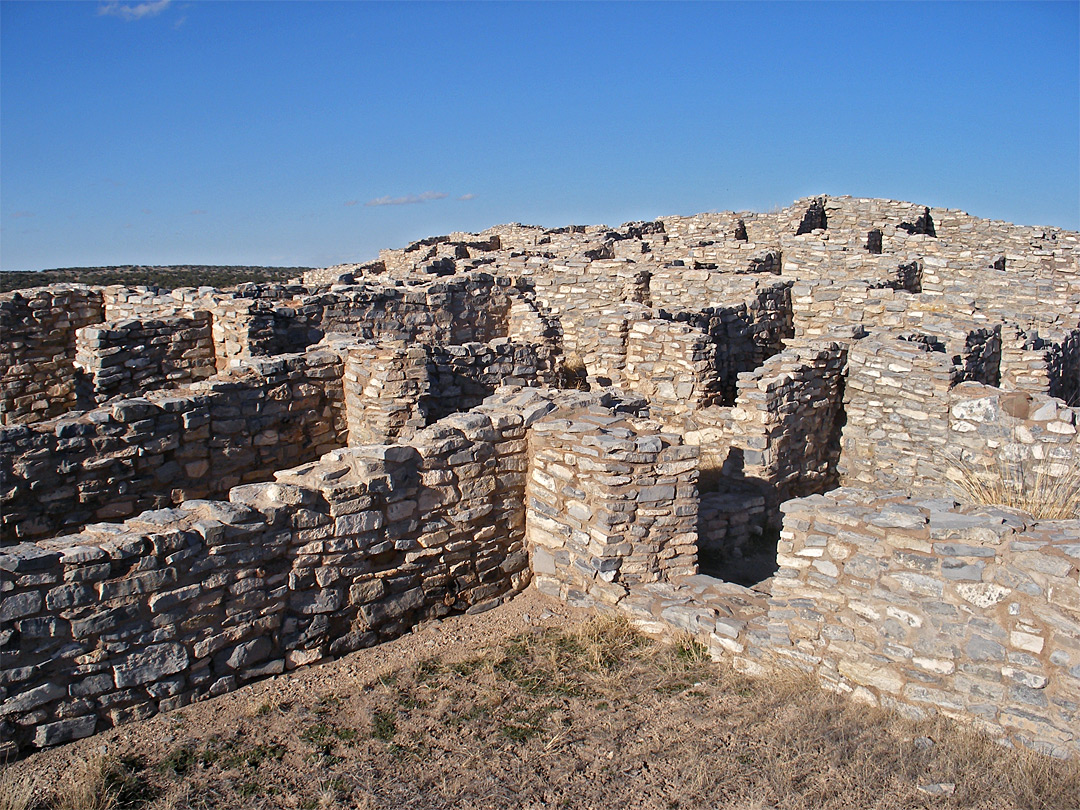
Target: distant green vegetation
x,y
171,277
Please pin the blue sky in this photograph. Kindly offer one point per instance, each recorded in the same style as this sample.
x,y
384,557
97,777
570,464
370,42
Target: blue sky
x,y
309,133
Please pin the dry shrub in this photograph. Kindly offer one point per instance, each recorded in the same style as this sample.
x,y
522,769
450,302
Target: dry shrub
x,y
1023,485
572,372
103,782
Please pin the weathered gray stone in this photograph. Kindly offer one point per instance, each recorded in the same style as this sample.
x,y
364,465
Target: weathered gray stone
x,y
151,664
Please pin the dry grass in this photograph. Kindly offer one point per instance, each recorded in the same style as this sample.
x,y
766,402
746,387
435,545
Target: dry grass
x,y
16,790
711,467
573,373
1024,486
597,716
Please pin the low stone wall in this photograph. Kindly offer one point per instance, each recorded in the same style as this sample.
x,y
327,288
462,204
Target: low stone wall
x,y
612,503
149,303
168,447
781,439
912,424
394,389
38,378
994,433
747,333
122,621
730,523
387,386
132,356
790,418
924,606
1042,363
463,376
671,364
896,401
471,308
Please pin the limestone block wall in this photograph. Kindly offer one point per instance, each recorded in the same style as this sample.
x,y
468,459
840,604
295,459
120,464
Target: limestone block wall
x,y
336,555
897,402
125,620
463,376
912,420
393,389
168,447
611,503
470,308
926,606
729,523
1042,363
790,419
747,333
821,307
529,323
671,364
387,387
576,291
38,378
992,432
599,339
131,356
124,303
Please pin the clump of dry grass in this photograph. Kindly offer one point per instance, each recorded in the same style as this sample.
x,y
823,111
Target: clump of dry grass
x,y
16,790
711,467
573,373
1023,485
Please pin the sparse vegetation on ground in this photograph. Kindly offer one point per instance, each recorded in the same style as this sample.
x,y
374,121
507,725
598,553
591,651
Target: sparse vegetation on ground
x,y
169,277
589,716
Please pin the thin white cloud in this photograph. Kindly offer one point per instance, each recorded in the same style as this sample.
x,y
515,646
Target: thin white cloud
x,y
466,197
351,203
411,199
136,11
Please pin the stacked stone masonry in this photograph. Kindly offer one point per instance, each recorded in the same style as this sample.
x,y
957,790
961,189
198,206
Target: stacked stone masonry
x,y
630,417
118,357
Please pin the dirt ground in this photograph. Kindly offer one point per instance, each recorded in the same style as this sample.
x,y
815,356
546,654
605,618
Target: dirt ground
x,y
532,704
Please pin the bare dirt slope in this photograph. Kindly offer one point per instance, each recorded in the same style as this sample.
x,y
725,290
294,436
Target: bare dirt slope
x,y
533,704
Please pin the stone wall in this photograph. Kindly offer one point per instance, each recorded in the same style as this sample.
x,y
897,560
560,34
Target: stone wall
x,y
123,621
791,418
671,364
37,353
387,387
393,389
148,452
994,433
924,606
1042,363
132,356
612,503
912,421
781,438
746,333
730,525
471,308
464,375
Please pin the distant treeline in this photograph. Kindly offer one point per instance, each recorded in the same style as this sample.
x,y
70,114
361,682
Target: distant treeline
x,y
170,277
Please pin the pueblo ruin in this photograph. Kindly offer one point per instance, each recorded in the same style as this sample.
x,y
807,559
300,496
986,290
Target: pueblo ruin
x,y
760,429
